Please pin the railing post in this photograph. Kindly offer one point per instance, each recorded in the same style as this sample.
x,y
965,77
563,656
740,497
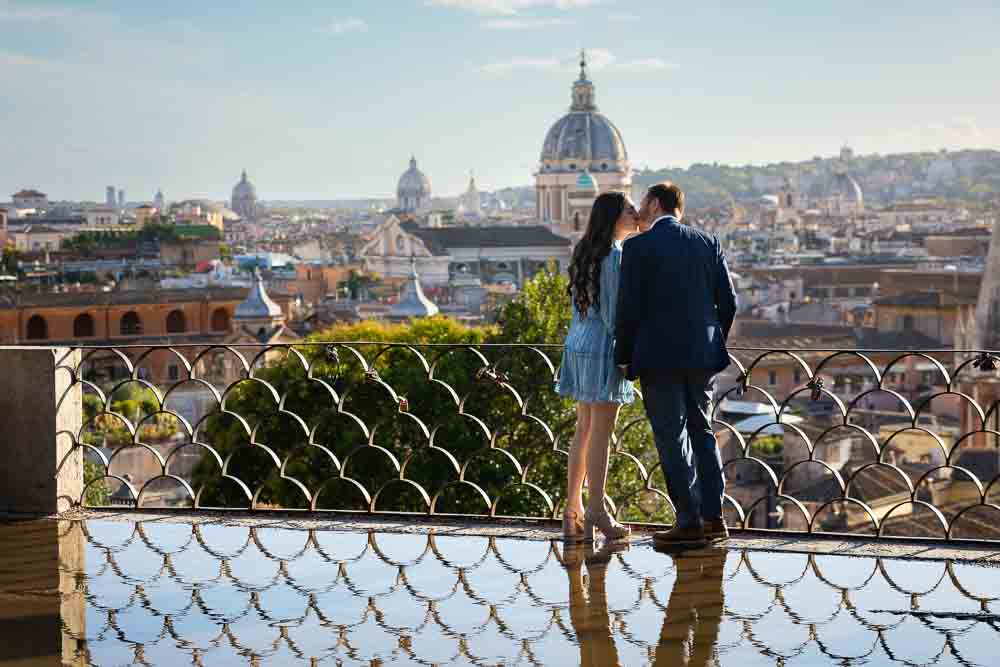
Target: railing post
x,y
39,406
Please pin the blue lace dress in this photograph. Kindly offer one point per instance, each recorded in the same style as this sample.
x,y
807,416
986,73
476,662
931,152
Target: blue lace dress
x,y
588,373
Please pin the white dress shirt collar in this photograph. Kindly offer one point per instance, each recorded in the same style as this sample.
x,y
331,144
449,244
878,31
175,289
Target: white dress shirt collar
x,y
663,217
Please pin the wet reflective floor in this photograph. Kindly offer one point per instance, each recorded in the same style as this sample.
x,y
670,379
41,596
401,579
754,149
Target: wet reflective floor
x,y
113,592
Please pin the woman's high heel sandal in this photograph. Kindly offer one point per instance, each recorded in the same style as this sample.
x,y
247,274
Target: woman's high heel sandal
x,y
573,526
604,522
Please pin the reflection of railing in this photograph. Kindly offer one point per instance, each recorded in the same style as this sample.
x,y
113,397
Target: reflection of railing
x,y
174,593
846,443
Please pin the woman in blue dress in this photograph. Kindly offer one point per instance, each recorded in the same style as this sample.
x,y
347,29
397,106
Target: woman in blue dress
x,y
588,373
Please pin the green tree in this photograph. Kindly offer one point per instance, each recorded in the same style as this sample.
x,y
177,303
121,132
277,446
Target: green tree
x,y
98,494
10,257
357,283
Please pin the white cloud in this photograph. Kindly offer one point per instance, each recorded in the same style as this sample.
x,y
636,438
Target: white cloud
x,y
644,65
343,26
8,59
516,64
510,7
597,60
10,11
522,23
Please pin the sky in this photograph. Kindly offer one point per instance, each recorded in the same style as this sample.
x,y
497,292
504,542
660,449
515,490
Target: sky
x,y
328,99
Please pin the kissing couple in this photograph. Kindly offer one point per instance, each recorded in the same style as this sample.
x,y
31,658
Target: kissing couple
x,y
652,301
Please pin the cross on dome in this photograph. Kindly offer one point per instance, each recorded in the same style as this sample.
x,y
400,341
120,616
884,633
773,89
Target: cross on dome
x,y
583,89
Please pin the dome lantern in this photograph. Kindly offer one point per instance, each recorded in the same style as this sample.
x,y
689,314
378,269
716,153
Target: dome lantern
x,y
583,89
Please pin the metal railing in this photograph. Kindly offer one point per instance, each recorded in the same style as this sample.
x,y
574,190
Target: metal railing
x,y
873,442
171,593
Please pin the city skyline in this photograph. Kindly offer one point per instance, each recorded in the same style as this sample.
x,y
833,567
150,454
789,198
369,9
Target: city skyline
x,y
330,102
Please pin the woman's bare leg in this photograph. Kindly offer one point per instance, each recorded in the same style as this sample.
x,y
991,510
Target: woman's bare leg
x,y
576,467
602,423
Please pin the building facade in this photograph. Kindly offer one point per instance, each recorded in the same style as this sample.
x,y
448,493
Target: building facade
x,y
494,254
124,317
30,199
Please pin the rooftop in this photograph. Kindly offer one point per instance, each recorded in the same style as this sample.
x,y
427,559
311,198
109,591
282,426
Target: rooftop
x,y
439,239
123,297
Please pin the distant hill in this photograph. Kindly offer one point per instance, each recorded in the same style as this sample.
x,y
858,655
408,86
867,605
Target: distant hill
x,y
969,175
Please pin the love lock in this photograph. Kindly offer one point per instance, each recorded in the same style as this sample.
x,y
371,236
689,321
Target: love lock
x,y
744,382
404,405
487,372
371,375
985,362
816,387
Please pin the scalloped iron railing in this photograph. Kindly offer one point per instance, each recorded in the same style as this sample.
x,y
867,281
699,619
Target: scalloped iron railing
x,y
872,442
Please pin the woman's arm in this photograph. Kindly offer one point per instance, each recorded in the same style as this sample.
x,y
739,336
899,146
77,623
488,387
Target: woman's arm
x,y
610,275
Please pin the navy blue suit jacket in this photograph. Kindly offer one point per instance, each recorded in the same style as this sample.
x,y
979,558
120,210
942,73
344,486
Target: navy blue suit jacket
x,y
676,302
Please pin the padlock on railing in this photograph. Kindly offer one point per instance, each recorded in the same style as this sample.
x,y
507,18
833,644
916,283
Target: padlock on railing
x,y
816,388
985,362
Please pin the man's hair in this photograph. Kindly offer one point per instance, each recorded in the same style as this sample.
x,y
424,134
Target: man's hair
x,y
670,196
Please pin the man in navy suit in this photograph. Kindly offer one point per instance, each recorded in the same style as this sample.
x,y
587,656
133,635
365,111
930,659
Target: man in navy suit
x,y
676,305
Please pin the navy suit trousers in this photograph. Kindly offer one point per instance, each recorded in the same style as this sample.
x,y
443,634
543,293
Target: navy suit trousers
x,y
678,405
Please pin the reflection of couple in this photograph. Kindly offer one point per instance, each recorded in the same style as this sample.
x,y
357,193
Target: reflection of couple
x,y
656,307
690,622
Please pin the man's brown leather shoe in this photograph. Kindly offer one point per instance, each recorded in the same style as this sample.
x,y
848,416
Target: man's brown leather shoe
x,y
716,530
680,535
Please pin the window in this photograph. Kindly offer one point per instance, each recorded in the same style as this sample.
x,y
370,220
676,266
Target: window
x,y
83,326
130,324
175,322
798,376
173,372
38,328
220,320
902,378
772,378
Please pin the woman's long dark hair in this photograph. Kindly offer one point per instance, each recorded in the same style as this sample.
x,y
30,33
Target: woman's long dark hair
x,y
589,254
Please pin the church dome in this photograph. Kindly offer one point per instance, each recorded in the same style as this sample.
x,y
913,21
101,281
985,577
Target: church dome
x,y
584,134
413,183
244,189
244,199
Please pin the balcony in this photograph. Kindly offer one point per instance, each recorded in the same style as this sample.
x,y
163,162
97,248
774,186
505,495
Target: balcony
x,y
371,503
